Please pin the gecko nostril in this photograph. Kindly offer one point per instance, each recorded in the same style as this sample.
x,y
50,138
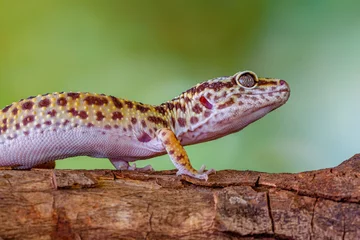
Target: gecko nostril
x,y
282,82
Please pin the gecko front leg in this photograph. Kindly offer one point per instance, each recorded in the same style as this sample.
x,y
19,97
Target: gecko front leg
x,y
179,156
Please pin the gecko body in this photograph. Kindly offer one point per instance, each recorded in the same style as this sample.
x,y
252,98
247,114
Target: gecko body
x,y
55,126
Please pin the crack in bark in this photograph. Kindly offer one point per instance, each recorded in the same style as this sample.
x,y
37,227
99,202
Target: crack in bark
x,y
312,219
270,213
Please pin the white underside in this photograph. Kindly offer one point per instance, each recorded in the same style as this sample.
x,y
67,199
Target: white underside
x,y
38,148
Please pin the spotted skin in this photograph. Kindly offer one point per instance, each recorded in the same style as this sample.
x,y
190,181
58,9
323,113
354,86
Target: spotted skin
x,y
54,126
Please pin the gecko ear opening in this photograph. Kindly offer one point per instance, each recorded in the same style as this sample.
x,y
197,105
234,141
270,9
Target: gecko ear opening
x,y
246,79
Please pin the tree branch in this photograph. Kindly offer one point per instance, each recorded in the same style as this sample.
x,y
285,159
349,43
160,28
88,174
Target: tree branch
x,y
105,204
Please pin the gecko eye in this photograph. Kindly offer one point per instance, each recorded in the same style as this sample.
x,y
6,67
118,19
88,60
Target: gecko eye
x,y
246,79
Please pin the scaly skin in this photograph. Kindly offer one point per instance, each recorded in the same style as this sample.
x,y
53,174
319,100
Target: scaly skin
x,y
54,126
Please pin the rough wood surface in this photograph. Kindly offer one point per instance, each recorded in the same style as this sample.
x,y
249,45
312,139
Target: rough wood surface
x,y
104,204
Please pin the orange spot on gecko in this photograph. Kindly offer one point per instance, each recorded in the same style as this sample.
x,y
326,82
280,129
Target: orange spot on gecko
x,y
27,105
44,103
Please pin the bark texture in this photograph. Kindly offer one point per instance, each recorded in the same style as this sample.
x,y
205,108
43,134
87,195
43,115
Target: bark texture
x,y
105,204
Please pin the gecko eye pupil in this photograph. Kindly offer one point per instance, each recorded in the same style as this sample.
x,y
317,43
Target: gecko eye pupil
x,y
247,80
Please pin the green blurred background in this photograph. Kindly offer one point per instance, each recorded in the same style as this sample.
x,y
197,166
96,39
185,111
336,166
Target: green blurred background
x,y
151,51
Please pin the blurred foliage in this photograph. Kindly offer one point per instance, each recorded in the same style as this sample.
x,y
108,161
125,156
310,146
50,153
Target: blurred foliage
x,y
151,51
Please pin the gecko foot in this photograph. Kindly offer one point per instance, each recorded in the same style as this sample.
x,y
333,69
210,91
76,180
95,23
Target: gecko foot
x,y
142,169
199,175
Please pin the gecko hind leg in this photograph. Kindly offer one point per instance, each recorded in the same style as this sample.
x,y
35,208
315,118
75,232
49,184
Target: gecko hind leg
x,y
179,156
120,164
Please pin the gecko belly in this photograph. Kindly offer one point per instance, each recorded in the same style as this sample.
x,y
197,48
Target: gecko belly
x,y
38,147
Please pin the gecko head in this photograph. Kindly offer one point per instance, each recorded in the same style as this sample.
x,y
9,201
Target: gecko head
x,y
233,102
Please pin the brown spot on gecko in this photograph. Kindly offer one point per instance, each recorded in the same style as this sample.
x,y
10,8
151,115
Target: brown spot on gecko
x,y
187,99
143,124
129,104
181,122
207,114
44,103
66,122
158,120
116,102
73,112
240,103
167,142
194,120
171,152
5,109
270,94
180,106
197,109
170,105
116,126
133,120
124,129
74,96
107,127
163,133
226,104
62,101
144,137
160,110
178,158
47,123
26,133
4,120
117,115
17,126
89,125
150,131
27,105
38,125
142,108
83,114
254,98
92,100
52,113
28,119
173,121
99,116
14,111
129,127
